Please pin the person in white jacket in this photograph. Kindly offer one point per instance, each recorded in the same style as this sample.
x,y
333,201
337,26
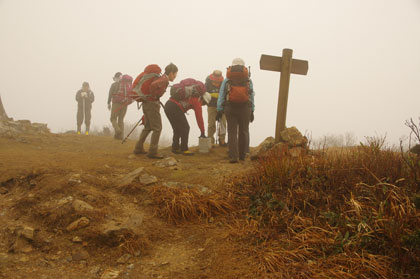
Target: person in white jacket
x,y
84,98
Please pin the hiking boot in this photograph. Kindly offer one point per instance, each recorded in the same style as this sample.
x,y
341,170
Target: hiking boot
x,y
141,152
78,132
222,143
87,133
233,161
155,156
176,151
188,153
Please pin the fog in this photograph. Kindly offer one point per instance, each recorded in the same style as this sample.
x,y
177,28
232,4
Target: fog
x,y
364,57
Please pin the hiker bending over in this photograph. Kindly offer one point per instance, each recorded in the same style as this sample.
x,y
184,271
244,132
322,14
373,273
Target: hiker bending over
x,y
213,83
148,87
236,100
119,95
84,98
186,95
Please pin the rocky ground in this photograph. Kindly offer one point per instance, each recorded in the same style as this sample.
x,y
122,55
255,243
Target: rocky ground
x,y
81,207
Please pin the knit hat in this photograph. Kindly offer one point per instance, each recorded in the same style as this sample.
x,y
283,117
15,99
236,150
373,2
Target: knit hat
x,y
206,97
238,61
216,76
85,83
117,74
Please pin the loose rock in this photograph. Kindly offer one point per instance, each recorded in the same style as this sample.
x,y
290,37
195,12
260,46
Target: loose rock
x,y
80,255
78,224
147,179
77,239
124,259
3,190
81,206
129,178
110,274
167,162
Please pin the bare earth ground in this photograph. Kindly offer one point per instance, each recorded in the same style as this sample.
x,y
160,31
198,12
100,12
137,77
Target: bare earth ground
x,y
125,238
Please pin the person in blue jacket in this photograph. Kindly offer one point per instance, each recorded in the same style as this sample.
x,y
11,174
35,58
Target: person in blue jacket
x,y
236,101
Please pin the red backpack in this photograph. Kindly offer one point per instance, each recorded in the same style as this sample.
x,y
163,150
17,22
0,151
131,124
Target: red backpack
x,y
238,89
141,85
187,88
123,95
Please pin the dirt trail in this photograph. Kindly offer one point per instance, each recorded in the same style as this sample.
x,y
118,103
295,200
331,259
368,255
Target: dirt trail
x,y
50,181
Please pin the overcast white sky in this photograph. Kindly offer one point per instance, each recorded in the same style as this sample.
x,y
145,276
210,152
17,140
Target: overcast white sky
x,y
364,57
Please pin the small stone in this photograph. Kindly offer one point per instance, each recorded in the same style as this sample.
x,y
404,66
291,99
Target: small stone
x,y
78,224
3,190
81,206
80,256
64,201
77,239
32,183
147,179
124,259
137,253
110,274
69,258
75,179
167,162
131,266
95,270
129,178
27,233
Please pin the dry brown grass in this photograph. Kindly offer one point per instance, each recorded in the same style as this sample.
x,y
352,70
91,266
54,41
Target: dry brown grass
x,y
178,205
334,215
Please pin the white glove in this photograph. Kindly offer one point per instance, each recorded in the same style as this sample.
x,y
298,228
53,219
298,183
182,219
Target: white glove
x,y
84,95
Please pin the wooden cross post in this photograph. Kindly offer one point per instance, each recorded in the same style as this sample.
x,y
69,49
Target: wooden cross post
x,y
286,65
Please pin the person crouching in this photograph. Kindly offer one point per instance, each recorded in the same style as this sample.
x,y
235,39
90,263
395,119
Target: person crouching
x,y
186,95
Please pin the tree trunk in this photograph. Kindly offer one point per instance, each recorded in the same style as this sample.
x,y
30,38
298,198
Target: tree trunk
x,y
3,114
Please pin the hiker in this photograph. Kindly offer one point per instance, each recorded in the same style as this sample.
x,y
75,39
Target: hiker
x,y
84,98
186,95
149,87
213,83
119,97
236,100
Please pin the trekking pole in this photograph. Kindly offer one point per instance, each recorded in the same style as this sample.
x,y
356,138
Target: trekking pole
x,y
132,130
135,126
217,132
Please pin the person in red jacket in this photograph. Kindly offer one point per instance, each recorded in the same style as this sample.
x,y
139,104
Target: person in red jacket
x,y
188,94
151,110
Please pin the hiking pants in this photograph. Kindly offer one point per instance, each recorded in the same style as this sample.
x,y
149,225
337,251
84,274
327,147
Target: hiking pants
x,y
83,113
153,123
118,112
180,126
237,116
212,113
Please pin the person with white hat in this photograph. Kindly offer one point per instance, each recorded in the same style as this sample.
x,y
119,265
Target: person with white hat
x,y
186,95
236,101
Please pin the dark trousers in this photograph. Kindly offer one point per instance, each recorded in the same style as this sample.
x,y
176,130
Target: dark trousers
x,y
237,116
83,113
179,124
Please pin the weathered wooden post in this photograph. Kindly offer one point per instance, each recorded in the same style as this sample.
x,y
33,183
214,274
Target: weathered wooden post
x,y
286,65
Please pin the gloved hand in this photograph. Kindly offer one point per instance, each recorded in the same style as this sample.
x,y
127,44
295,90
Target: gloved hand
x,y
84,94
109,106
202,135
219,116
251,118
